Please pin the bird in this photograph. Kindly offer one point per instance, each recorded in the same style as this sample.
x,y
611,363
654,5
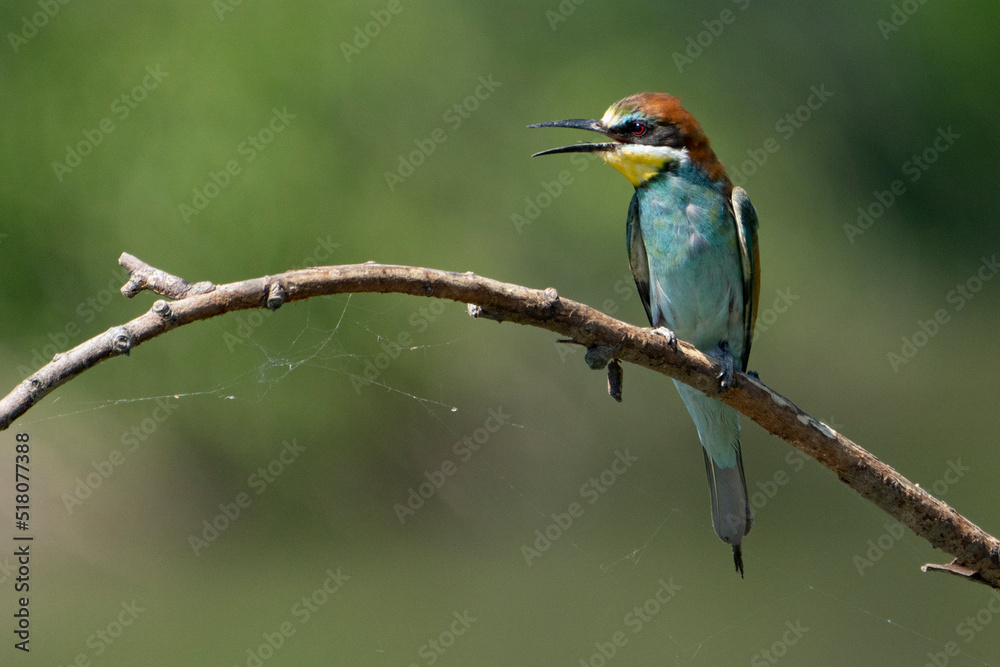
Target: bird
x,y
692,246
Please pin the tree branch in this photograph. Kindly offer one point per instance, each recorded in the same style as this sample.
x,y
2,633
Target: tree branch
x,y
977,554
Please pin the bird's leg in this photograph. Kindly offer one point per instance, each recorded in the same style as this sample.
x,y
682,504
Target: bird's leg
x,y
727,374
669,335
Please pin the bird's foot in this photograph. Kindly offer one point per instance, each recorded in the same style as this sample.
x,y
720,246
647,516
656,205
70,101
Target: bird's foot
x,y
728,372
754,375
669,335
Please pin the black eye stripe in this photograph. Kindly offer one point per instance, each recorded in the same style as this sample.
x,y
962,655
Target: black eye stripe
x,y
634,127
668,135
650,133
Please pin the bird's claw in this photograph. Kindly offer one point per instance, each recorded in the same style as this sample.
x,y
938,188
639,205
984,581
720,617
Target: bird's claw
x,y
727,374
669,335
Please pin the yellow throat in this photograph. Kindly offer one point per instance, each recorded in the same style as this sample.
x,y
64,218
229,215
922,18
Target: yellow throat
x,y
639,163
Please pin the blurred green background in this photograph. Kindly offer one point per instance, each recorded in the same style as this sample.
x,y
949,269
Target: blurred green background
x,y
309,107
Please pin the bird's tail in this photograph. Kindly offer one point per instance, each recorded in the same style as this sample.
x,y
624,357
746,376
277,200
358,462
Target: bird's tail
x,y
719,432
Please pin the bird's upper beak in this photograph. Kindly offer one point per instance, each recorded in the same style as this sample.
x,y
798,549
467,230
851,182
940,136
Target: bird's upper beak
x,y
579,124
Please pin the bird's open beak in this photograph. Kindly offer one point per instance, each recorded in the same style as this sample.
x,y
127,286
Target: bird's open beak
x,y
579,124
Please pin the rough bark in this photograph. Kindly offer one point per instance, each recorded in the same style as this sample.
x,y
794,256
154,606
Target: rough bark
x,y
977,554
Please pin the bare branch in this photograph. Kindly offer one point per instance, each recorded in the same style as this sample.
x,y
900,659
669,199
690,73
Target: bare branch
x,y
977,554
143,276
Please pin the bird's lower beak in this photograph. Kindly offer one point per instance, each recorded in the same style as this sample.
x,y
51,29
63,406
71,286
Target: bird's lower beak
x,y
579,124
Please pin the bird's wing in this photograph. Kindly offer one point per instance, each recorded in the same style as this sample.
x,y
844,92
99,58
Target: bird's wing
x,y
746,232
637,259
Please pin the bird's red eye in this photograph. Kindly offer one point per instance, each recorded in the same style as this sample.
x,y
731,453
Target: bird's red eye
x,y
638,129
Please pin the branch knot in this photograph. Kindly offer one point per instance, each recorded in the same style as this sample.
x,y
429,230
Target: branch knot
x,y
162,308
121,340
276,296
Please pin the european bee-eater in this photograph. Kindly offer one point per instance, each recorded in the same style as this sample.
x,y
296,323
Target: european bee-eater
x,y
692,246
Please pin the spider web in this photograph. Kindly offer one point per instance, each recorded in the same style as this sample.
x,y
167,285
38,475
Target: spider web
x,y
324,348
